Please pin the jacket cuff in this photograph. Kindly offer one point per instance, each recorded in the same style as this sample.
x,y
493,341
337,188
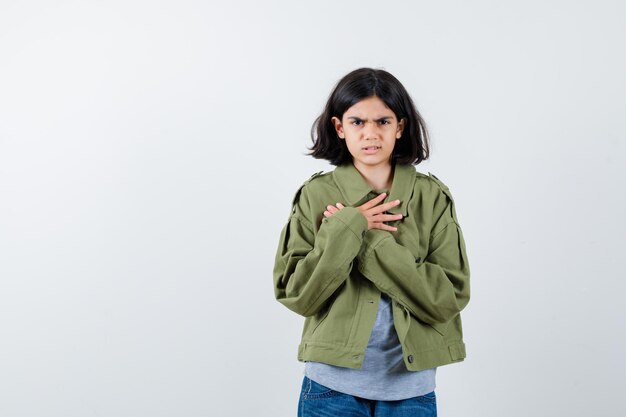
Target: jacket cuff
x,y
353,219
371,240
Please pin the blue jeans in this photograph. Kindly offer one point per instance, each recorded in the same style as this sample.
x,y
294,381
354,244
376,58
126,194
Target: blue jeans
x,y
316,400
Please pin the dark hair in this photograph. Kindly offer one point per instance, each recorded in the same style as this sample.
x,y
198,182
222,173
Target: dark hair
x,y
412,147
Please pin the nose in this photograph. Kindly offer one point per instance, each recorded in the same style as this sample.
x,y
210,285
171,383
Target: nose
x,y
370,129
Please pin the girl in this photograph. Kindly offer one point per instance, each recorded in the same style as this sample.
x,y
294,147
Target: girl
x,y
373,257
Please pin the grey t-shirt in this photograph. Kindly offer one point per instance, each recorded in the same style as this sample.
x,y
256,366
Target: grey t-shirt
x,y
383,375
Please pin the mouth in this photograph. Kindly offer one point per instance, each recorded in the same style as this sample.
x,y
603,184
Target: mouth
x,y
370,150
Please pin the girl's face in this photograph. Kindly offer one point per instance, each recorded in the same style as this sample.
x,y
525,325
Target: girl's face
x,y
370,130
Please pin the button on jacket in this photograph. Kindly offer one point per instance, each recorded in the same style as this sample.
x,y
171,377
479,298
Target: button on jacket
x,y
332,270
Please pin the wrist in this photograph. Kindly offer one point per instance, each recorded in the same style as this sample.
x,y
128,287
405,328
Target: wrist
x,y
352,218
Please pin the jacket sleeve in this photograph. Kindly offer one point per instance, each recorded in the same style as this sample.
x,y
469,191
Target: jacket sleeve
x,y
435,290
309,266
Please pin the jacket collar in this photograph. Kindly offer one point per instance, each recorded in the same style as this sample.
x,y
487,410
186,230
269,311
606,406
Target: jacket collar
x,y
354,188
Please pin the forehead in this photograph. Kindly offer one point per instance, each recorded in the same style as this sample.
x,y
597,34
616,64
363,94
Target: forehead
x,y
370,107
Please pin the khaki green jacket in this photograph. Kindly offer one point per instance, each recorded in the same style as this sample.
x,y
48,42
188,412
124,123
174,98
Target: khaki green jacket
x,y
332,270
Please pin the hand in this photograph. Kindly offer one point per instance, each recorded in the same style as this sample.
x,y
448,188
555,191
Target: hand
x,y
372,212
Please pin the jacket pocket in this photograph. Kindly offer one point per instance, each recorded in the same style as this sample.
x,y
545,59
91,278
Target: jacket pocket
x,y
320,320
440,327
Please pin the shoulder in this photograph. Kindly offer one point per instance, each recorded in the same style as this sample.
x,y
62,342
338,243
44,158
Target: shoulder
x,y
433,189
430,182
313,181
444,206
437,181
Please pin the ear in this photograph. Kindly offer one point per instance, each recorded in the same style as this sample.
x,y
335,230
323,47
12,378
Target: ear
x,y
338,127
401,125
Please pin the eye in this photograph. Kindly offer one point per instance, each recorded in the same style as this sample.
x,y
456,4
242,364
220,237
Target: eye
x,y
356,121
384,122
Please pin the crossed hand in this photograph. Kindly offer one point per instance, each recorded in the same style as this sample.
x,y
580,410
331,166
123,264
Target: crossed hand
x,y
372,212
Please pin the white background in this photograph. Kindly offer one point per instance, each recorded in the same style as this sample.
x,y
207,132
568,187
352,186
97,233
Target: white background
x,y
149,152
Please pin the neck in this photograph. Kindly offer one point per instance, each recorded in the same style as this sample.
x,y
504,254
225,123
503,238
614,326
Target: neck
x,y
379,177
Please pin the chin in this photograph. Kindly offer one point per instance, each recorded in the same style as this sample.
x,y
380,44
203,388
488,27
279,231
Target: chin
x,y
374,161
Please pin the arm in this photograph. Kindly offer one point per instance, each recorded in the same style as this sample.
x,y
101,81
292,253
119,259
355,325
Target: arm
x,y
434,291
308,268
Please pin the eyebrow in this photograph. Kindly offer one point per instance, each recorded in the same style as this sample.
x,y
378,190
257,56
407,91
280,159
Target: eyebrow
x,y
379,119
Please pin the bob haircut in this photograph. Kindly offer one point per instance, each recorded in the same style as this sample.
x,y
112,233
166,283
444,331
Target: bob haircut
x,y
412,147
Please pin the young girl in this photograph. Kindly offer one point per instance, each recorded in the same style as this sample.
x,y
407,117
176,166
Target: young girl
x,y
373,257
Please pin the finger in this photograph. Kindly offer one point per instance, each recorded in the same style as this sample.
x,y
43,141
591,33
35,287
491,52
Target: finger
x,y
327,213
373,201
385,207
387,217
332,209
340,205
384,226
